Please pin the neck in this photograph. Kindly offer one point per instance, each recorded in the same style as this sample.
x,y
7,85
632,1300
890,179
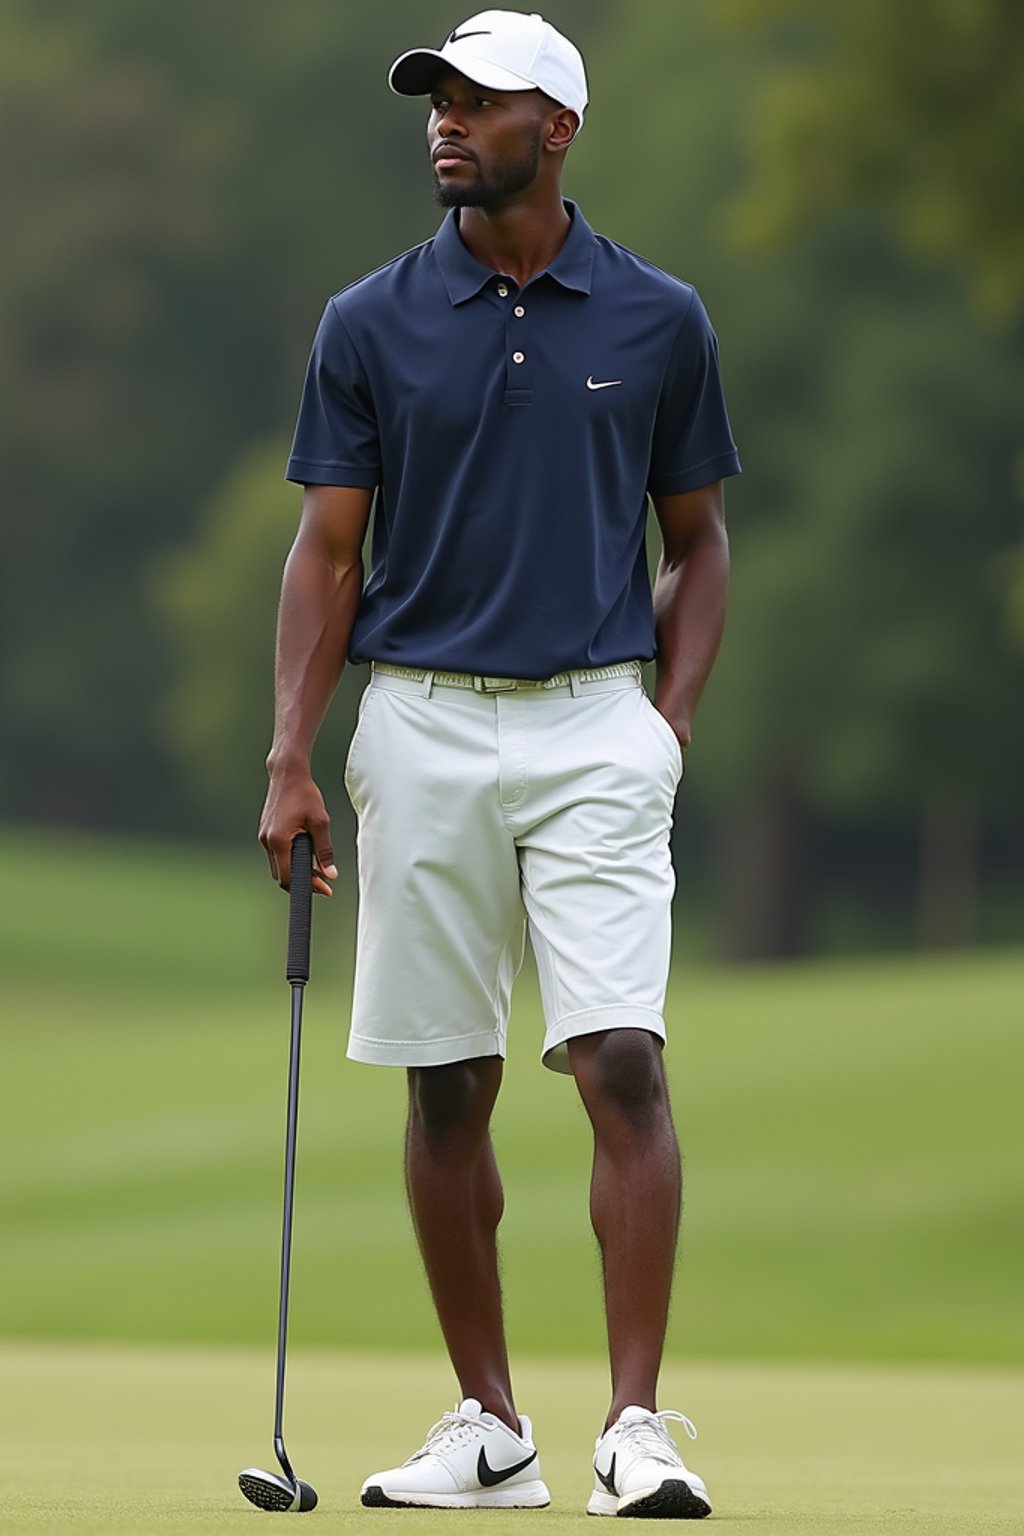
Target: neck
x,y
519,238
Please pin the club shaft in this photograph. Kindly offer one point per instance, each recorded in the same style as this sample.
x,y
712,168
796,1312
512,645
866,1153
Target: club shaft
x,y
286,1225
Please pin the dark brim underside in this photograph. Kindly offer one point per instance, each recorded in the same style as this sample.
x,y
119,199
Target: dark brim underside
x,y
416,73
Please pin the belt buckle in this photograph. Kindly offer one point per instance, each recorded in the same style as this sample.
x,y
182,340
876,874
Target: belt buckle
x,y
495,684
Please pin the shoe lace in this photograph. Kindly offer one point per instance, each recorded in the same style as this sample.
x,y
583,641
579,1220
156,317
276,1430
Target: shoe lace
x,y
651,1437
452,1429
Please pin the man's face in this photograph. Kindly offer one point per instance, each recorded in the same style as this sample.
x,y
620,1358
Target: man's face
x,y
485,146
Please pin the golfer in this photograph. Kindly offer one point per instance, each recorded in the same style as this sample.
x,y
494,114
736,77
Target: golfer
x,y
507,396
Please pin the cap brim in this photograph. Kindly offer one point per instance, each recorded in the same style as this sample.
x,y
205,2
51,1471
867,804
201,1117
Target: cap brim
x,y
416,73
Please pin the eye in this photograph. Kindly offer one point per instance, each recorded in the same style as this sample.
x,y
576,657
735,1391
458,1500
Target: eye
x,y
439,104
482,101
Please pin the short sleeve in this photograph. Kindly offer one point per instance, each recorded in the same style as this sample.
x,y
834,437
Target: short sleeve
x,y
336,437
693,443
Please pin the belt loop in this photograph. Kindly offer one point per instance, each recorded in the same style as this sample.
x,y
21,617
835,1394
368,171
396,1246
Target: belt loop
x,y
428,684
574,684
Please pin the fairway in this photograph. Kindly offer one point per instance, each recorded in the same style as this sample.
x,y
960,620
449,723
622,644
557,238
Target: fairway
x,y
851,1135
101,1440
848,1302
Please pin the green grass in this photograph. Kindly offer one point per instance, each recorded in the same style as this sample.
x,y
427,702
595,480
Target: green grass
x,y
854,1177
95,1441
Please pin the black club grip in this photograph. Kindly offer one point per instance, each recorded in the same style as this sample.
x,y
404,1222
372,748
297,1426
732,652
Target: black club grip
x,y
300,909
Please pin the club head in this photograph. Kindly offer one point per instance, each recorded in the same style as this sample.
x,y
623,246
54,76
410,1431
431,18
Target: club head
x,y
268,1490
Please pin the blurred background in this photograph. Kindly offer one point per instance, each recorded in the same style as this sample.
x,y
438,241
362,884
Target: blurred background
x,y
184,186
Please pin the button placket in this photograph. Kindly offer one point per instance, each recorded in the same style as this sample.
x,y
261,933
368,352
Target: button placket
x,y
518,371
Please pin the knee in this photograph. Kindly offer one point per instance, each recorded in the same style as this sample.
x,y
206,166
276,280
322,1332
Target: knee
x,y
624,1075
449,1099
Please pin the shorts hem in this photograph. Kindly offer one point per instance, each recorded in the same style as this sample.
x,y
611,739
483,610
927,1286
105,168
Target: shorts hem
x,y
424,1053
591,1021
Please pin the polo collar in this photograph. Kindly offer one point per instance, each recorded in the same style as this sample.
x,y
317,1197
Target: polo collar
x,y
464,276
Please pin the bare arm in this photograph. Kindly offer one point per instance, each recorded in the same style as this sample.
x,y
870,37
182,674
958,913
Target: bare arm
x,y
323,581
689,600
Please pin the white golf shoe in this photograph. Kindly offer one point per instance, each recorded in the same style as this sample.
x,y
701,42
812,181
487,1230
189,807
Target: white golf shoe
x,y
470,1460
639,1471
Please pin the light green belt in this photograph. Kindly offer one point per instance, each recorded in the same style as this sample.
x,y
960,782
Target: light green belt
x,y
481,684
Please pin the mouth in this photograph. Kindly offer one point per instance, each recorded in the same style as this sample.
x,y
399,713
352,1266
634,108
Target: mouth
x,y
446,158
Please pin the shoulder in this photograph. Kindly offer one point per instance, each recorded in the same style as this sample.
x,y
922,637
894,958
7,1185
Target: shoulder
x,y
634,274
380,287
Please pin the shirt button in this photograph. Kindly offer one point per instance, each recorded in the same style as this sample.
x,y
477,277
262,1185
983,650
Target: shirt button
x,y
519,311
519,357
503,290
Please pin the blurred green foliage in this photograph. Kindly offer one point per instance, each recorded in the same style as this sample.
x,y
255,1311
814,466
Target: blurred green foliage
x,y
190,183
219,594
867,677
914,108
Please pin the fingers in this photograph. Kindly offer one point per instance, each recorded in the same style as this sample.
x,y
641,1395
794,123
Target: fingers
x,y
324,858
294,806
279,856
270,849
324,869
283,863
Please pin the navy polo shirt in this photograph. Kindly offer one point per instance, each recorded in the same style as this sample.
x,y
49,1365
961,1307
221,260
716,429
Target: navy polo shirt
x,y
513,436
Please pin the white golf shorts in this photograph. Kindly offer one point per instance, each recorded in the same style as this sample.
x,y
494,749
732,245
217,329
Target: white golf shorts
x,y
486,815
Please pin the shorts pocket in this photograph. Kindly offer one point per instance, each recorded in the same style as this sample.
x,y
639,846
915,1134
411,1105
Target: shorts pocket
x,y
351,761
668,734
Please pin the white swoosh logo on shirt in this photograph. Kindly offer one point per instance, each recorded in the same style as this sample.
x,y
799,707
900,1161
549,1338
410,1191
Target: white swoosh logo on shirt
x,y
610,384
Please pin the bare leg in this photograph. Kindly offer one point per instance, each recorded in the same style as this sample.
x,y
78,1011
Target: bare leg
x,y
635,1197
456,1200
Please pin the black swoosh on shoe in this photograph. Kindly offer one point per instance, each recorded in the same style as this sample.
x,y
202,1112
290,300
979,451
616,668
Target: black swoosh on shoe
x,y
490,1479
608,1478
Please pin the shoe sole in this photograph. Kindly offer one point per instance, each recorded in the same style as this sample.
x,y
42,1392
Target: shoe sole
x,y
671,1500
526,1496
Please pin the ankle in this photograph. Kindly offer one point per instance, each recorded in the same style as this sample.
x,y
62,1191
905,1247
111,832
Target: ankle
x,y
500,1405
646,1400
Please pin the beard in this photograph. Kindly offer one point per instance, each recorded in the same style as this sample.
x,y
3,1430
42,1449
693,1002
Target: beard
x,y
489,190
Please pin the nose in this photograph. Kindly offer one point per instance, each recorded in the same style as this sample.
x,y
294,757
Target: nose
x,y
448,124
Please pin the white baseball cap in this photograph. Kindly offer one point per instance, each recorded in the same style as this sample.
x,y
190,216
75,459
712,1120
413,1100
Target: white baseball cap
x,y
503,51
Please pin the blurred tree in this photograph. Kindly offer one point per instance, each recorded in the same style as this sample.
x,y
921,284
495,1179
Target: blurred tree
x,y
866,676
863,615
218,597
870,654
187,184
107,189
916,109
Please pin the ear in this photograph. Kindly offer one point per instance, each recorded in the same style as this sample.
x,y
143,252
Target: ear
x,y
562,129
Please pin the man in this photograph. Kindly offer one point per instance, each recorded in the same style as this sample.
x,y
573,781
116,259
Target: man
x,y
511,390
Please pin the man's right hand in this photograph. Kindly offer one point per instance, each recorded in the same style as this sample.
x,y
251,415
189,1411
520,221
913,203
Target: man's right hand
x,y
323,581
294,804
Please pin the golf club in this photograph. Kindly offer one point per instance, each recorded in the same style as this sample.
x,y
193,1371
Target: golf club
x,y
269,1490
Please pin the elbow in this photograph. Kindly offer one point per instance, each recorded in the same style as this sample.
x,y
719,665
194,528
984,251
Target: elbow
x,y
709,541
349,568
